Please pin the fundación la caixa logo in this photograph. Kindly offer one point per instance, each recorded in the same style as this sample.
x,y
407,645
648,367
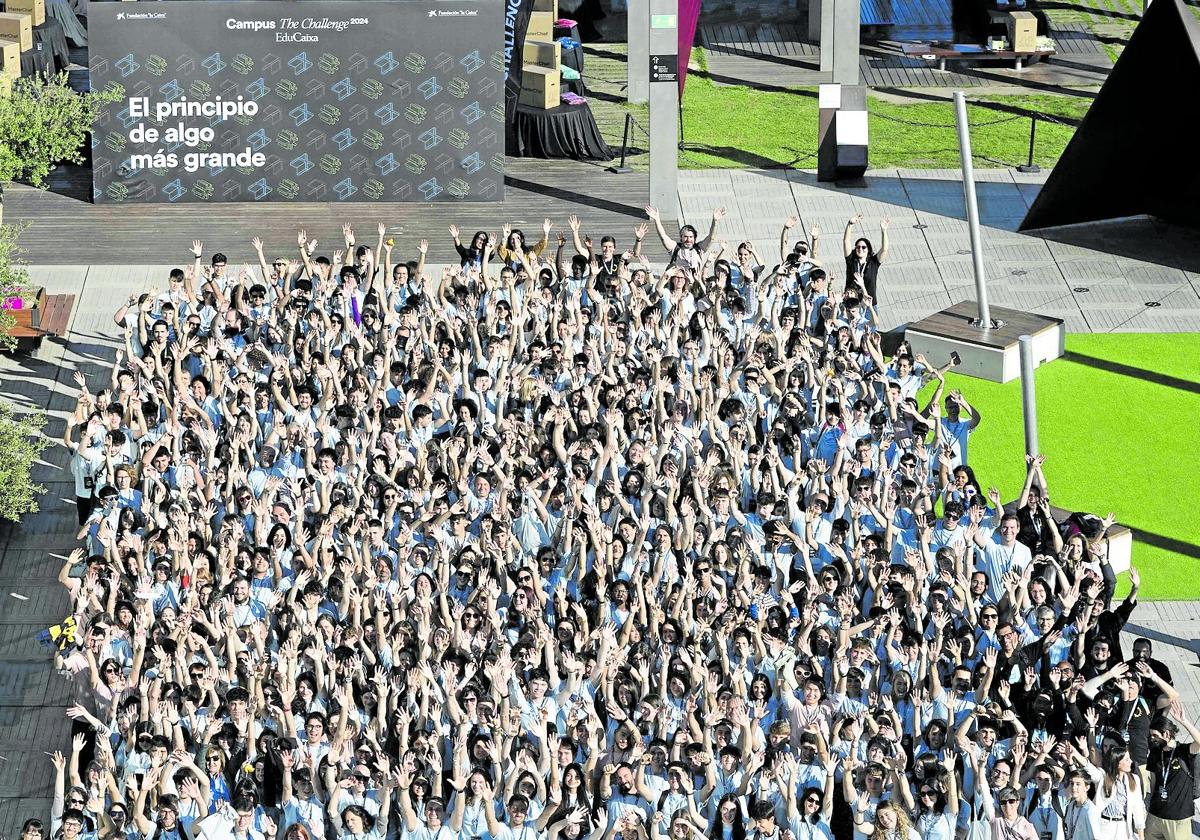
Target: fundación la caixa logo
x,y
141,15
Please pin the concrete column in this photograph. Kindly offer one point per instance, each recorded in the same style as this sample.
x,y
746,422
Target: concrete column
x,y
847,22
826,11
637,67
663,73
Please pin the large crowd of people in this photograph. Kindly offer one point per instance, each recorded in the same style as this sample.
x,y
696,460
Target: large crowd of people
x,y
584,537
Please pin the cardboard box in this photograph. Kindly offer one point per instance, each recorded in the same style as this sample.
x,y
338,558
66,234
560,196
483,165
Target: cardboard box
x,y
19,27
36,8
10,58
541,27
1022,31
546,54
540,88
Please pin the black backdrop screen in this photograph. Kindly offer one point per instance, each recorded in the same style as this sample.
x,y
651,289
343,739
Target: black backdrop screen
x,y
320,100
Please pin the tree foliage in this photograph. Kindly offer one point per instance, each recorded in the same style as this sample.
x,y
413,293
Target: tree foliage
x,y
22,442
43,123
14,281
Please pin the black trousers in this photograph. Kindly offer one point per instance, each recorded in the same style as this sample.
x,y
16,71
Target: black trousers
x,y
84,507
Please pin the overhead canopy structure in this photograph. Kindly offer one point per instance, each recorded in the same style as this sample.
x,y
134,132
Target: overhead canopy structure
x,y
1134,153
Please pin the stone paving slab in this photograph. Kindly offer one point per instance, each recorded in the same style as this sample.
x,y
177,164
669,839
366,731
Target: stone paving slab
x,y
1035,271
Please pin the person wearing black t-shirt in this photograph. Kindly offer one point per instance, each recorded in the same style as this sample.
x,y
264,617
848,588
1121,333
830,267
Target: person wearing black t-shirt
x,y
1131,714
862,260
1172,767
1143,651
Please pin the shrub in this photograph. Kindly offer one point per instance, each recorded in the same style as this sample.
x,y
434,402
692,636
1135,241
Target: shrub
x,y
43,123
22,442
14,282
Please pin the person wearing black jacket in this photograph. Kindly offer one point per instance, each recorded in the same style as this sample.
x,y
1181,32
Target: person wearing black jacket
x,y
1111,622
1172,767
1038,530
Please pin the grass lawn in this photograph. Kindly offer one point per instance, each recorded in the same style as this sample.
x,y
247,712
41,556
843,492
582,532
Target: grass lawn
x,y
739,126
727,126
1113,442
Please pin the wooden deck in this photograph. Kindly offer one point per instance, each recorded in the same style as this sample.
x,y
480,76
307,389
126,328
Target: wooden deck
x,y
64,229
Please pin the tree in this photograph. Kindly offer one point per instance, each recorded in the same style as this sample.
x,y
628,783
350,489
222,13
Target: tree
x,y
43,123
14,282
22,442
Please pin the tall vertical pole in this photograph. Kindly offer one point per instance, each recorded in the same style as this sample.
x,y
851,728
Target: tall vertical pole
x,y
662,70
968,176
1028,395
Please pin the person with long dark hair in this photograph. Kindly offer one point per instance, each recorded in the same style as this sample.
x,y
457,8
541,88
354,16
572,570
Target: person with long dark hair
x,y
862,260
730,822
937,804
1119,796
472,255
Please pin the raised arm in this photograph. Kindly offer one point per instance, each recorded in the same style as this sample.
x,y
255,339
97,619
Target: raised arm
x,y
881,254
667,241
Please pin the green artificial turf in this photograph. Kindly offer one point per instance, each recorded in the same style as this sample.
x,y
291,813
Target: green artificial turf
x,y
1113,442
738,126
726,126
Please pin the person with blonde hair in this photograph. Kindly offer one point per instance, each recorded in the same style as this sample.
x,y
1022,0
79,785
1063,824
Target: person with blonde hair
x,y
891,823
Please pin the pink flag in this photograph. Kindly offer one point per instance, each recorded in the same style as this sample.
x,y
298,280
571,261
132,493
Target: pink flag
x,y
689,16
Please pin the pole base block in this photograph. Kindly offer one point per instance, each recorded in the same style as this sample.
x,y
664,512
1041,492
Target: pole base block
x,y
618,170
990,354
1029,168
994,324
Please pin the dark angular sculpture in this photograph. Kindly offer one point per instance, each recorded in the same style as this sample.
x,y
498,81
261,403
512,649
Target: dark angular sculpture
x,y
1134,152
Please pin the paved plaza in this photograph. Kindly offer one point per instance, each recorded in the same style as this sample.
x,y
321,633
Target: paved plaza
x,y
1095,283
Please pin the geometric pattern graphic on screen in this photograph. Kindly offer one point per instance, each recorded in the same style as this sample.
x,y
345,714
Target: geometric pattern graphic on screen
x,y
319,101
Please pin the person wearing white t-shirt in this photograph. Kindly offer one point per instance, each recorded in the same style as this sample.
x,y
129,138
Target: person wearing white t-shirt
x,y
518,827
957,429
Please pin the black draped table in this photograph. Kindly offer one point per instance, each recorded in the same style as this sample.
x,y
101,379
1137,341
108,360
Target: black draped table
x,y
568,131
37,61
50,37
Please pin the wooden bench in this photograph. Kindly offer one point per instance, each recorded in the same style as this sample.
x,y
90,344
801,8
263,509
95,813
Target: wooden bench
x,y
943,53
42,315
